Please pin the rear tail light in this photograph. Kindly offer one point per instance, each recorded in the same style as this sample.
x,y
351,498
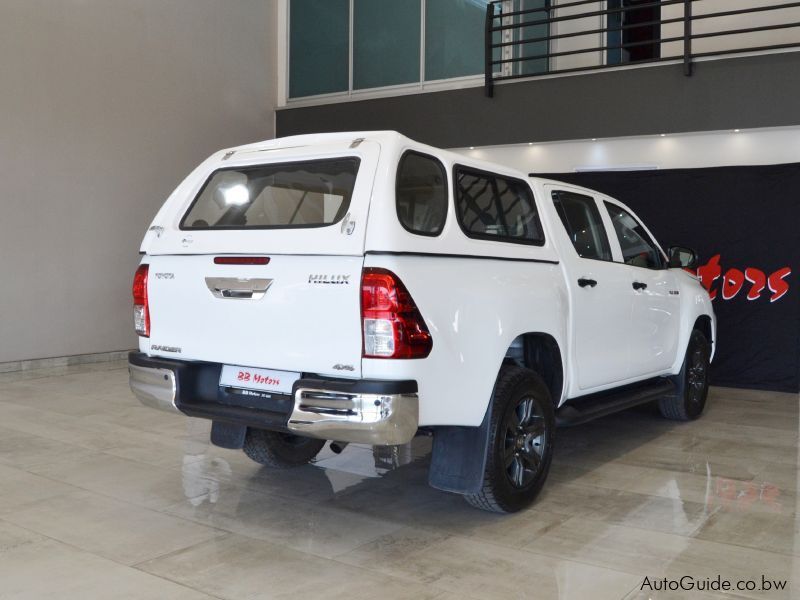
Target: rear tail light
x,y
141,308
392,324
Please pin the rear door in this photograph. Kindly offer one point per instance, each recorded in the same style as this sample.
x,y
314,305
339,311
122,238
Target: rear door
x,y
261,265
600,290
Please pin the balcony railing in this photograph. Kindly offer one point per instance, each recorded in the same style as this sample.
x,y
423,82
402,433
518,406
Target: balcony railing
x,y
582,35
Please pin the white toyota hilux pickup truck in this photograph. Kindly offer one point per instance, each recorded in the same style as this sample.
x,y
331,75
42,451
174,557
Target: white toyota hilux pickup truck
x,y
363,287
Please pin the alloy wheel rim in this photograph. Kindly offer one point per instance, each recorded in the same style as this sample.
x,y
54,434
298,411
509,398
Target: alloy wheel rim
x,y
524,443
697,374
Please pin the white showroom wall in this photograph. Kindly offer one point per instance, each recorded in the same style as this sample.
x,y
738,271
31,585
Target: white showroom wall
x,y
670,151
105,107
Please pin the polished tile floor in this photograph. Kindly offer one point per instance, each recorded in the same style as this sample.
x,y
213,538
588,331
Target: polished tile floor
x,y
103,498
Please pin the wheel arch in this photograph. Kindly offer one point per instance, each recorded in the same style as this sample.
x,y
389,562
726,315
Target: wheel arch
x,y
703,323
697,312
541,353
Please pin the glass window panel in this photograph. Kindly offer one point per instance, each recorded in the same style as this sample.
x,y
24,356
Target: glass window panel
x,y
276,196
493,207
386,42
318,47
583,223
454,33
631,28
638,248
421,194
538,65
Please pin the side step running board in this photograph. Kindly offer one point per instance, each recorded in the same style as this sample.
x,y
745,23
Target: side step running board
x,y
585,408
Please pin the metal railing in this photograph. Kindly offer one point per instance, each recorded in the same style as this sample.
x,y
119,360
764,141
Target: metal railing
x,y
507,39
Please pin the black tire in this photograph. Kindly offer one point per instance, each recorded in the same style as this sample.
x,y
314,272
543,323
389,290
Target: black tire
x,y
691,384
280,450
518,459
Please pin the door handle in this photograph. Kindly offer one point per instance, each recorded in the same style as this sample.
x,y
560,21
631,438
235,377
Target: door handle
x,y
638,285
233,288
585,281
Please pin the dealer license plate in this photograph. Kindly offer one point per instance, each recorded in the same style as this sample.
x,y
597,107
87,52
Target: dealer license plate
x,y
265,380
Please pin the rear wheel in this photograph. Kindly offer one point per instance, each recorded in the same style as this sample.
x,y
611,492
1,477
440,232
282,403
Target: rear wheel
x,y
520,442
691,384
280,450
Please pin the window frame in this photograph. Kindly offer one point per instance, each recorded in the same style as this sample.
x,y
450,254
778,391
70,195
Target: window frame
x,y
664,260
210,178
425,83
443,170
486,236
601,221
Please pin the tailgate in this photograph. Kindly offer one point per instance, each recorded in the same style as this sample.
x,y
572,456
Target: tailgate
x,y
296,313
305,209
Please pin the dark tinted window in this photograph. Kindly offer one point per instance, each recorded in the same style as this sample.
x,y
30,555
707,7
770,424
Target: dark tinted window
x,y
634,31
638,248
491,206
421,194
319,47
584,225
279,195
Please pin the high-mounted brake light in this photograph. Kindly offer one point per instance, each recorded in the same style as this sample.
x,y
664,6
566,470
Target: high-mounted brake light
x,y
141,307
391,322
241,260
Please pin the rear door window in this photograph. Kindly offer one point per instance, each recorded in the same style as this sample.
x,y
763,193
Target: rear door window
x,y
275,196
421,194
584,225
495,207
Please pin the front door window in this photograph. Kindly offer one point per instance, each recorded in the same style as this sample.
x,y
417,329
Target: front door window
x,y
638,248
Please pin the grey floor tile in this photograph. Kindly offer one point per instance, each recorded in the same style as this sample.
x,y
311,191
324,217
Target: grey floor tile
x,y
117,530
316,529
50,569
245,568
145,485
19,489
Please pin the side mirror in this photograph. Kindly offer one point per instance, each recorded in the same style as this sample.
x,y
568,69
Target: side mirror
x,y
681,257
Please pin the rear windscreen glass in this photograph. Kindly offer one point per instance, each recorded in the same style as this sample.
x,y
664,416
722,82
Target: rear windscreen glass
x,y
275,196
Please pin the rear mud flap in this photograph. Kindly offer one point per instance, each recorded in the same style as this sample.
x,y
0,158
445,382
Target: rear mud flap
x,y
228,435
458,459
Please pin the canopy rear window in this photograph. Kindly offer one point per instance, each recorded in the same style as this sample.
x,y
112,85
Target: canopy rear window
x,y
275,196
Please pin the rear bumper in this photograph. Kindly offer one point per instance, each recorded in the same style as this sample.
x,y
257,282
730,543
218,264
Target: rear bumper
x,y
374,417
362,411
153,386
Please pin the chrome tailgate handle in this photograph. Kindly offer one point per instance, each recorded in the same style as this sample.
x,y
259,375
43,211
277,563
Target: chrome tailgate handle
x,y
234,288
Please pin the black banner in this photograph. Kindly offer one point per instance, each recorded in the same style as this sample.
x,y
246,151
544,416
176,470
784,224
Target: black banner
x,y
745,224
